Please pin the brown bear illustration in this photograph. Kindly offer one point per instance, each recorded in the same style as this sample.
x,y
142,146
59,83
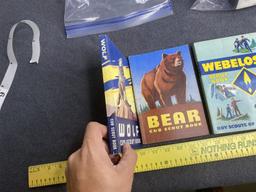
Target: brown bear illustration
x,y
166,80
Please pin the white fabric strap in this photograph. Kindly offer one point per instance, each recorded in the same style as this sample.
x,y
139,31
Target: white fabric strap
x,y
12,68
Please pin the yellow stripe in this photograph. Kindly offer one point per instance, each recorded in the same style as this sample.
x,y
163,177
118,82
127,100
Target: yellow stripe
x,y
162,157
111,72
111,97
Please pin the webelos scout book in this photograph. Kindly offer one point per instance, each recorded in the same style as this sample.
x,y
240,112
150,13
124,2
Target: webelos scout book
x,y
120,106
167,98
228,73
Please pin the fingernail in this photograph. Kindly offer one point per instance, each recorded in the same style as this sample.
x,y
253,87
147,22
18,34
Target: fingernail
x,y
126,147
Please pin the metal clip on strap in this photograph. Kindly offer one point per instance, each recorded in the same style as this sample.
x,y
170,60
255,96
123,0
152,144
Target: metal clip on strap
x,y
10,73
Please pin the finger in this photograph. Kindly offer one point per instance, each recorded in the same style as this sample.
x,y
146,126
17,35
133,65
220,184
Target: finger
x,y
128,160
94,143
106,147
95,132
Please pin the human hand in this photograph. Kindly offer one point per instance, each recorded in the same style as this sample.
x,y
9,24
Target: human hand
x,y
90,168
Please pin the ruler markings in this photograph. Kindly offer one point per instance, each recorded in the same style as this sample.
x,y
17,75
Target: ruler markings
x,y
162,157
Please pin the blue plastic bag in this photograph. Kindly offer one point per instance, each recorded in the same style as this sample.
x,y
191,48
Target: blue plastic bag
x,y
209,5
85,17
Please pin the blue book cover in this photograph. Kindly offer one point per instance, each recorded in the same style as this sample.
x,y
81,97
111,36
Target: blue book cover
x,y
121,113
228,73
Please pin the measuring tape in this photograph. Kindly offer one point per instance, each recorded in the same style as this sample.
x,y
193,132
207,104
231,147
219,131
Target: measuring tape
x,y
162,157
13,64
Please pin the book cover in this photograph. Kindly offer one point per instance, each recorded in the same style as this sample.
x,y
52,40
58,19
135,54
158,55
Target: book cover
x,y
167,98
121,114
228,74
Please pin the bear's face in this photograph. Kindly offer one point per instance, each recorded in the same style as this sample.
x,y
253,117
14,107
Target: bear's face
x,y
173,61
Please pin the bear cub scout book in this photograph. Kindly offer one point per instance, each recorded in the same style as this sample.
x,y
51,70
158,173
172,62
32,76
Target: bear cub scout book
x,y
228,73
120,106
167,98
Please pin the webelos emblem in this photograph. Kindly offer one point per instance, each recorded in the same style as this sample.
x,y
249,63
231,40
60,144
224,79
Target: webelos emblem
x,y
246,81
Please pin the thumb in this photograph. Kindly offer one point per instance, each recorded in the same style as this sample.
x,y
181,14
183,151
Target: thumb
x,y
128,160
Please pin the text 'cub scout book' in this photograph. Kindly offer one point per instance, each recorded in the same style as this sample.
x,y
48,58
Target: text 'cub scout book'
x,y
167,98
228,73
121,114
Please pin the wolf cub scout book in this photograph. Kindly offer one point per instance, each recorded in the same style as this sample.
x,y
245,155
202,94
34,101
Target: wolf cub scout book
x,y
228,74
120,106
167,98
